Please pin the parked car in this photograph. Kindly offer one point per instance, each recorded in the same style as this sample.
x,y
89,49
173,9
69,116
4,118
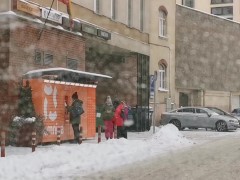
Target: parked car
x,y
222,112
199,117
236,112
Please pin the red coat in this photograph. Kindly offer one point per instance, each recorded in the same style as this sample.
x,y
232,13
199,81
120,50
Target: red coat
x,y
117,115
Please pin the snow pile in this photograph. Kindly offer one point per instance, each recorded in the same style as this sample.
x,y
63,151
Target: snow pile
x,y
73,160
21,119
169,138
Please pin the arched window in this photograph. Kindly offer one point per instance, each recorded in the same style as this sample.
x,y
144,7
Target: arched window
x,y
162,76
162,23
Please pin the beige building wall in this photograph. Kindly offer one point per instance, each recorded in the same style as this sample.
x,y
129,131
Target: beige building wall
x,y
130,38
121,11
5,5
163,48
205,6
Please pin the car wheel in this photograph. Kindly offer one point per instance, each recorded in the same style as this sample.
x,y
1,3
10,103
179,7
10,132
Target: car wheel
x,y
177,123
221,126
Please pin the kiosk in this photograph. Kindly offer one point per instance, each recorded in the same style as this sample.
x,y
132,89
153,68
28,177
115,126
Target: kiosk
x,y
52,89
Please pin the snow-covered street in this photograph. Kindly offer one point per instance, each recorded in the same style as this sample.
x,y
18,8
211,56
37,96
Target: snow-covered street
x,y
216,157
69,161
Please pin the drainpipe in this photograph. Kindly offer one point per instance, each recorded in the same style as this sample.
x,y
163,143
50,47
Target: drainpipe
x,y
203,97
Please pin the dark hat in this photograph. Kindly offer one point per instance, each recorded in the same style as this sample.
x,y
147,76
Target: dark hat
x,y
75,95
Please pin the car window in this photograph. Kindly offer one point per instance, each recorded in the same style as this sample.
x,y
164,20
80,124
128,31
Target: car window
x,y
180,110
217,111
200,111
234,111
188,110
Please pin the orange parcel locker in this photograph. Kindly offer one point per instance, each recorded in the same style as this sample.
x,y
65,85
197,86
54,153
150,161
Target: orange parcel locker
x,y
50,97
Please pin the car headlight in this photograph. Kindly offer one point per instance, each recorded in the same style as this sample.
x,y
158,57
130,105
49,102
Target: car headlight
x,y
232,121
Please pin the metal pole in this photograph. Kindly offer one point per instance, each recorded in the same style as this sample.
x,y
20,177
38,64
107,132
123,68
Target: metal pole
x,y
99,134
34,140
58,136
3,144
115,131
154,108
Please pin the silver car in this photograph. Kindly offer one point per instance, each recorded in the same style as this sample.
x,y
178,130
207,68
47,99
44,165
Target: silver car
x,y
199,117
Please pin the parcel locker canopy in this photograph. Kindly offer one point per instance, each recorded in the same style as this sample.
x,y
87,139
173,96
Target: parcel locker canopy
x,y
65,74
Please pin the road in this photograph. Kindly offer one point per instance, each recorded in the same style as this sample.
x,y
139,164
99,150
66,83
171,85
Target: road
x,y
216,158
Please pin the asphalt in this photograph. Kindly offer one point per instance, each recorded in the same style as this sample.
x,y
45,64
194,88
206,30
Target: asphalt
x,y
218,159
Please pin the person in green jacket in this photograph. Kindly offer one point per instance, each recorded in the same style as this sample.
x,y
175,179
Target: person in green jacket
x,y
75,111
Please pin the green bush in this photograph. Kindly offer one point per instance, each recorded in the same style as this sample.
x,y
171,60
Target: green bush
x,y
21,129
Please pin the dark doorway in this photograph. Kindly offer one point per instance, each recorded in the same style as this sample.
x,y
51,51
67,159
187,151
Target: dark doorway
x,y
183,99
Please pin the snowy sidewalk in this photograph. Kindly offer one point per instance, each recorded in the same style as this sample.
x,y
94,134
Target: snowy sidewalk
x,y
72,160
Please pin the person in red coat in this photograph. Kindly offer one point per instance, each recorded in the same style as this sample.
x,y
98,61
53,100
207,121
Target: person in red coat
x,y
119,120
108,117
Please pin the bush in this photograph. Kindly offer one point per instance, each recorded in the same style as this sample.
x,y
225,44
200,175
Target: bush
x,y
21,129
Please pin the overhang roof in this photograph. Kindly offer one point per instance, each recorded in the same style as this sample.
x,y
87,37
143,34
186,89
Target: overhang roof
x,y
65,74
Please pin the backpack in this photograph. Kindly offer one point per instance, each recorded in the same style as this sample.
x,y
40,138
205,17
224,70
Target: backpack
x,y
77,110
108,113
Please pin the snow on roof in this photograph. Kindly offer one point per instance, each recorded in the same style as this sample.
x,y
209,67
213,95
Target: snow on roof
x,y
39,21
39,72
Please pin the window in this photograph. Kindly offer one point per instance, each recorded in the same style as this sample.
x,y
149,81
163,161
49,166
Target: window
x,y
141,14
113,9
200,111
180,110
221,1
97,6
48,59
129,13
228,10
191,110
188,3
72,63
38,57
162,24
162,77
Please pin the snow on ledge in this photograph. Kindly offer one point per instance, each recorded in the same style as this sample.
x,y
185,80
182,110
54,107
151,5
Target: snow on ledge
x,y
8,13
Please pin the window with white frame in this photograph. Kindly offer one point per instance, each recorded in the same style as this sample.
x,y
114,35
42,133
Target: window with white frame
x,y
221,1
162,77
97,6
113,9
162,23
129,13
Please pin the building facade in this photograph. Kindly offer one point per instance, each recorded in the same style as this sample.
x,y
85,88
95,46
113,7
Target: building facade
x,y
229,9
207,60
129,40
162,54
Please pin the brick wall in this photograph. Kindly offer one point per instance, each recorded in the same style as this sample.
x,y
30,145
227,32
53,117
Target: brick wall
x,y
19,41
25,41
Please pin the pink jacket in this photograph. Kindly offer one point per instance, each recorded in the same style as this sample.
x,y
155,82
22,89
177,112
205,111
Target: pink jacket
x,y
117,115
